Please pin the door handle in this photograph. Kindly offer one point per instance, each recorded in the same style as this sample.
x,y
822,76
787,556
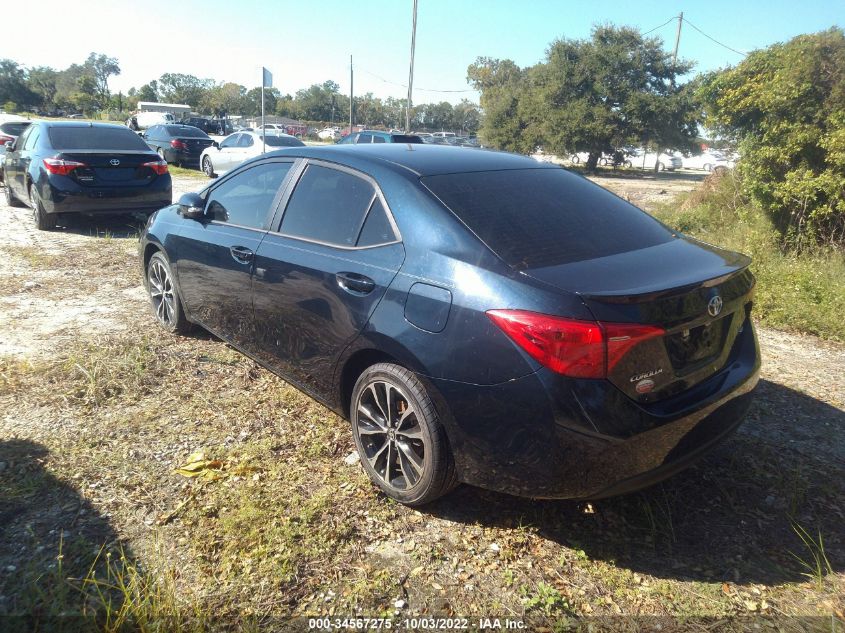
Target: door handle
x,y
241,254
355,284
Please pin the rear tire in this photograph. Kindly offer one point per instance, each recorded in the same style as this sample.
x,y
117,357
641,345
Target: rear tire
x,y
399,437
165,299
43,221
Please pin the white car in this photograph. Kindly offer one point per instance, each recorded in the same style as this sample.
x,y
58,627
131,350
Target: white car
x,y
329,134
216,160
708,161
664,161
144,120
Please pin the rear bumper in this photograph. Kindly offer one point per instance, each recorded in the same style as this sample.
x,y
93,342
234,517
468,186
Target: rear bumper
x,y
545,436
63,195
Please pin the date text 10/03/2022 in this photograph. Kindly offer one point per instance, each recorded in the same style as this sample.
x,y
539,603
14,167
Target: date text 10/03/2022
x,y
416,624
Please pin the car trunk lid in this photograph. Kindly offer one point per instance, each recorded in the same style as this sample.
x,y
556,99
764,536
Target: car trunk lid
x,y
111,167
698,294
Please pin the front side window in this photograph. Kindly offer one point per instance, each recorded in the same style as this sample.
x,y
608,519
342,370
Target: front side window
x,y
328,206
231,141
246,198
365,138
245,141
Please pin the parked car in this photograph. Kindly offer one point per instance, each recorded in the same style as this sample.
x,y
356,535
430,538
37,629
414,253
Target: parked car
x,y
377,136
664,161
444,134
178,144
70,167
207,125
477,316
434,140
236,148
329,134
708,161
11,127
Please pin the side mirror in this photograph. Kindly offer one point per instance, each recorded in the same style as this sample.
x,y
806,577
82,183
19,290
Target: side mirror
x,y
10,146
216,144
191,205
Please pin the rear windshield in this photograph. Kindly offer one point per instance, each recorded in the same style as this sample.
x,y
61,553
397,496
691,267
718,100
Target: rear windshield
x,y
14,128
533,218
185,131
282,141
95,138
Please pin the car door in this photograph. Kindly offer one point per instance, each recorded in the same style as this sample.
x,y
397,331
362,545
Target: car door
x,y
23,156
320,274
214,256
11,164
224,160
247,148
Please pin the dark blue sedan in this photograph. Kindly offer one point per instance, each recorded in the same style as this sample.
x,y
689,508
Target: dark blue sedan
x,y
477,316
90,168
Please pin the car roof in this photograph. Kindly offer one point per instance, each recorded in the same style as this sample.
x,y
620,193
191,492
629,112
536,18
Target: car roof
x,y
422,160
79,124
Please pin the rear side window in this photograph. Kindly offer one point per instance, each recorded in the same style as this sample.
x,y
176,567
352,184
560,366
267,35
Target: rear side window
x,y
245,199
365,138
533,218
377,228
110,138
328,206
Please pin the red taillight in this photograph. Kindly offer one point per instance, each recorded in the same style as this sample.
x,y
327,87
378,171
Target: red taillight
x,y
580,349
177,144
60,166
158,166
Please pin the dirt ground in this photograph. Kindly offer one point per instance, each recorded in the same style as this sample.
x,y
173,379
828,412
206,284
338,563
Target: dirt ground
x,y
97,409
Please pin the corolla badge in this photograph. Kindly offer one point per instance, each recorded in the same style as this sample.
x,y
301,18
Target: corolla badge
x,y
714,306
648,374
114,162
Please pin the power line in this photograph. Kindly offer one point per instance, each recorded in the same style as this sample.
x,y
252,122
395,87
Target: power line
x,y
672,19
393,83
712,39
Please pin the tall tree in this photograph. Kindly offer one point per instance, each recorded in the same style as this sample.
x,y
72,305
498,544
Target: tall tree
x,y
42,81
100,67
148,92
187,89
502,85
13,85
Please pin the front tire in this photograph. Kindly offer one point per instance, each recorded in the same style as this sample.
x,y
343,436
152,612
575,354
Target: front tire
x,y
43,221
207,167
399,437
166,303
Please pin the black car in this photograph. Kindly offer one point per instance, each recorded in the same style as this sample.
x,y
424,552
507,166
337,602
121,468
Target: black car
x,y
178,144
477,316
70,167
207,125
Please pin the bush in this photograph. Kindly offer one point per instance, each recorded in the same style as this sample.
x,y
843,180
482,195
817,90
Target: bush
x,y
802,290
786,105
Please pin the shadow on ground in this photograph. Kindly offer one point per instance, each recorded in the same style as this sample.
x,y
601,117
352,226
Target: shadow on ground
x,y
49,539
114,226
730,518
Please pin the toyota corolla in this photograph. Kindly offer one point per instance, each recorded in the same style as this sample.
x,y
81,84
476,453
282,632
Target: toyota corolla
x,y
477,316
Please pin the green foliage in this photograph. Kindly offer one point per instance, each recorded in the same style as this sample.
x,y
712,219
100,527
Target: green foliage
x,y
802,291
588,95
786,106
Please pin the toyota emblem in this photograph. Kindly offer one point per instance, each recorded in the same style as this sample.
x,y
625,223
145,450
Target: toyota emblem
x,y
114,162
714,306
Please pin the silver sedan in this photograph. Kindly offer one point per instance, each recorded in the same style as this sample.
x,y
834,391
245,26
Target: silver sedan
x,y
240,146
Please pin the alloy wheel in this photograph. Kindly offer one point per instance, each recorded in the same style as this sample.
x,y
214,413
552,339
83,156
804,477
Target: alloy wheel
x,y
207,167
390,434
161,293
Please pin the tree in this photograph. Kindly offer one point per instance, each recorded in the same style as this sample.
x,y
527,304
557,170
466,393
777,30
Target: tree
x,y
42,81
13,84
786,106
148,92
599,94
187,89
253,101
502,85
100,67
225,98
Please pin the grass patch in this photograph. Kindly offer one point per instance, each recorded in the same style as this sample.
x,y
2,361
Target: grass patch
x,y
188,173
801,291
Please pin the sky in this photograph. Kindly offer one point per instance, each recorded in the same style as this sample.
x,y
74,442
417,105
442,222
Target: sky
x,y
310,41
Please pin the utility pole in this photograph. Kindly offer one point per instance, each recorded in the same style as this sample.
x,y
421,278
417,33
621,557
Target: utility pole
x,y
677,39
350,93
411,72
